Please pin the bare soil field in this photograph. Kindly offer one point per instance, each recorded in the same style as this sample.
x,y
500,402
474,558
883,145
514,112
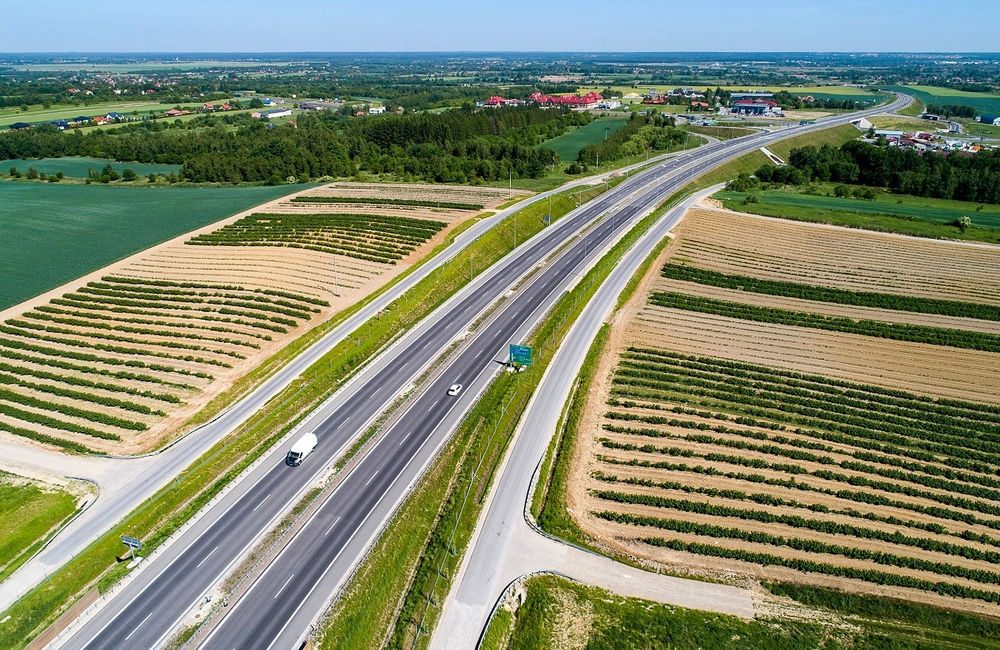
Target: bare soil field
x,y
743,244
774,451
118,362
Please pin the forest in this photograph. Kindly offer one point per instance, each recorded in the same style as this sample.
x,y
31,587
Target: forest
x,y
963,178
455,146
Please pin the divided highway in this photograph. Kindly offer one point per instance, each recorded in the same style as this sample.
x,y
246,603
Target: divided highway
x,y
278,608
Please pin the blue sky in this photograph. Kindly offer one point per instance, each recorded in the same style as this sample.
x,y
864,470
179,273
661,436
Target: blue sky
x,y
512,25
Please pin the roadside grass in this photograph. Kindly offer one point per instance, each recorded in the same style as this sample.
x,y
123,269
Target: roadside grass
x,y
978,128
913,110
55,233
419,555
28,513
721,132
907,215
556,608
907,124
164,513
835,136
569,144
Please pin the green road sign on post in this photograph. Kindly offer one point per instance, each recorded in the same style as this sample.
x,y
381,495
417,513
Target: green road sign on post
x,y
520,354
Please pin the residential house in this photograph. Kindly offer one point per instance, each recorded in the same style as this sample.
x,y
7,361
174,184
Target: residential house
x,y
376,110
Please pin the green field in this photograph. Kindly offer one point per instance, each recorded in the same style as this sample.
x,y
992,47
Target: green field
x,y
568,145
982,102
558,610
27,514
38,114
55,233
909,215
77,167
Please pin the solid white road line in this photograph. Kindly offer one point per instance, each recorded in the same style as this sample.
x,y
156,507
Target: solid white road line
x,y
261,503
331,526
206,557
138,626
285,585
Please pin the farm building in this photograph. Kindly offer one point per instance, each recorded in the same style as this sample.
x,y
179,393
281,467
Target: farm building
x,y
990,119
271,114
114,116
376,110
590,100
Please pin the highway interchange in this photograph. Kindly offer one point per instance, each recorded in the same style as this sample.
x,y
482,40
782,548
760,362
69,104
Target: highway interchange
x,y
277,610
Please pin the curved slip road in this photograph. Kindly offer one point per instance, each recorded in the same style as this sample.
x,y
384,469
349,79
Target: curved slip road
x,y
277,610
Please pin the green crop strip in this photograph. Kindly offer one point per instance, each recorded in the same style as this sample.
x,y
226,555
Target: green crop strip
x,y
831,294
450,205
880,329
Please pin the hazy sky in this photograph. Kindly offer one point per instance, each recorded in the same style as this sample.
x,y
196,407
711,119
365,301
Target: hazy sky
x,y
535,25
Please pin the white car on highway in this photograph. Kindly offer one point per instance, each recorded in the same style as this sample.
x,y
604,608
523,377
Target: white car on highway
x,y
455,389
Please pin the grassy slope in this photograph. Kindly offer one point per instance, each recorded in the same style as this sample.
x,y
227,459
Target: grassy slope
x,y
884,215
27,514
555,605
54,233
569,144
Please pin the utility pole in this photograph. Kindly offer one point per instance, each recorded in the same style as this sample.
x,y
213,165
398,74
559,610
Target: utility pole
x,y
470,268
336,283
510,183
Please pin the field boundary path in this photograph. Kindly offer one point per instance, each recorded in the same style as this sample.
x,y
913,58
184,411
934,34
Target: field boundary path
x,y
505,548
125,483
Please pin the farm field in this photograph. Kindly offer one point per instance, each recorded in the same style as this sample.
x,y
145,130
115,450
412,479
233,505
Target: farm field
x,y
557,611
984,102
889,212
569,144
39,114
801,403
29,511
119,363
74,167
908,125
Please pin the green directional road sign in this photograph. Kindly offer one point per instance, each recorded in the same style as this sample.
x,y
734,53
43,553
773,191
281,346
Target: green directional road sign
x,y
520,354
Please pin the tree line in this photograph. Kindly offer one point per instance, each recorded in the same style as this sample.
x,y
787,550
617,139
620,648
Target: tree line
x,y
953,176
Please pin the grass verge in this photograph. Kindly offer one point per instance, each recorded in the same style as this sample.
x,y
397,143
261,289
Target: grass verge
x,y
164,513
557,609
28,514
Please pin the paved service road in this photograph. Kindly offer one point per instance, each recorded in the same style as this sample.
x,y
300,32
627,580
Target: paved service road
x,y
278,608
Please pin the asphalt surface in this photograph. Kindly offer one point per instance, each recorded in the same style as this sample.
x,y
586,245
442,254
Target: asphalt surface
x,y
277,609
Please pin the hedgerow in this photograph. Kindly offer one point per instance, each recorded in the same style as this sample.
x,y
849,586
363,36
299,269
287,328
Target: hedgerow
x,y
830,294
880,329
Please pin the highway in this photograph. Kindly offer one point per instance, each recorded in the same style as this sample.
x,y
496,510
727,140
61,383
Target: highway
x,y
279,607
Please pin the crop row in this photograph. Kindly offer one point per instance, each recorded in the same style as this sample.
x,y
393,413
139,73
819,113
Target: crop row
x,y
771,500
857,496
72,411
808,566
186,302
947,499
143,282
176,345
136,330
874,393
84,383
796,521
283,299
928,407
108,348
53,423
369,237
92,370
66,317
12,380
68,445
202,313
963,438
879,329
451,205
98,346
830,294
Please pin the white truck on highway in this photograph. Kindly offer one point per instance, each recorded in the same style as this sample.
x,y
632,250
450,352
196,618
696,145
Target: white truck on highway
x,y
302,448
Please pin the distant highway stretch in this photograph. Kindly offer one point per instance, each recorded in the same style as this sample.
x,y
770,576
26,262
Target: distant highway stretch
x,y
278,609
